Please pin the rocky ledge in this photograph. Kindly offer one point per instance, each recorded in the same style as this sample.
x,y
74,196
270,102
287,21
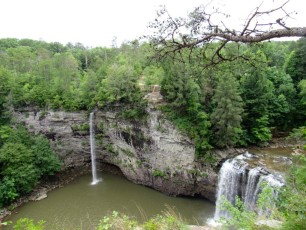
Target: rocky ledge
x,y
151,151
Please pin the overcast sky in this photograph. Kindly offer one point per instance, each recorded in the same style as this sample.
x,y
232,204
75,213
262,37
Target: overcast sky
x,y
97,22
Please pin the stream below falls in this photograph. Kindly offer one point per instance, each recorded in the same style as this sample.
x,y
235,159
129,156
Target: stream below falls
x,y
80,205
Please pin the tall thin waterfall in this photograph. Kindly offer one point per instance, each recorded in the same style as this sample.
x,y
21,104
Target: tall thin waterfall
x,y
95,180
236,178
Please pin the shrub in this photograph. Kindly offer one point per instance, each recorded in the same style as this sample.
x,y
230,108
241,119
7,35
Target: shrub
x,y
24,159
28,224
158,173
117,221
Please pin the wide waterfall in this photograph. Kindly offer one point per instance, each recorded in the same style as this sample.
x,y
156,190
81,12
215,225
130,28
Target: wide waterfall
x,y
95,179
237,178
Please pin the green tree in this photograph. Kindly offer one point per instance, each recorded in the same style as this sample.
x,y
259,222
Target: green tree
x,y
226,117
88,89
119,85
276,52
6,43
184,108
174,86
296,62
16,164
21,59
257,92
284,101
153,75
8,191
45,160
24,159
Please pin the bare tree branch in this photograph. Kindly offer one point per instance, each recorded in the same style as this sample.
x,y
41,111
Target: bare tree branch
x,y
201,29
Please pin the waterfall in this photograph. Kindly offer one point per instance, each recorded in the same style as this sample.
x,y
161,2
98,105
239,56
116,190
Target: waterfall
x,y
230,177
236,178
252,188
95,180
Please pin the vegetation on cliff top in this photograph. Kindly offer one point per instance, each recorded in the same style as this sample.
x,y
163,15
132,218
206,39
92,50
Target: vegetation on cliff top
x,y
232,104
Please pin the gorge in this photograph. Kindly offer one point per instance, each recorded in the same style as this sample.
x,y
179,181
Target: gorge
x,y
150,152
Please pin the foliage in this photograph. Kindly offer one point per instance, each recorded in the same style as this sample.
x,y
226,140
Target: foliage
x,y
257,92
302,88
116,221
8,191
16,164
168,221
260,130
295,65
196,127
5,76
120,84
136,113
292,199
28,224
153,75
24,159
158,173
80,127
209,159
226,117
284,102
241,218
45,159
299,135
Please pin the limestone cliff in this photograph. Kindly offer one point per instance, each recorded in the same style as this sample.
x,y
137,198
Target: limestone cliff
x,y
150,152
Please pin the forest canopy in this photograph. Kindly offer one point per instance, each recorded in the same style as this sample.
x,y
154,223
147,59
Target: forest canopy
x,y
236,103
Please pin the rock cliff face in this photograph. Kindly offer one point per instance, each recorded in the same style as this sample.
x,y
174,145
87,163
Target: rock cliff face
x,y
150,152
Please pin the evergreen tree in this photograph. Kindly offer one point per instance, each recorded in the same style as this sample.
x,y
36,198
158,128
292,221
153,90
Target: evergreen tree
x,y
226,116
173,86
257,93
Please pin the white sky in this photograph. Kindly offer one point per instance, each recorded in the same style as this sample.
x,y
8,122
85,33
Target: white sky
x,y
97,22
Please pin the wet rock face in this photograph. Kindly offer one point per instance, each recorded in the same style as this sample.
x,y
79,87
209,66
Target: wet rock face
x,y
150,152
